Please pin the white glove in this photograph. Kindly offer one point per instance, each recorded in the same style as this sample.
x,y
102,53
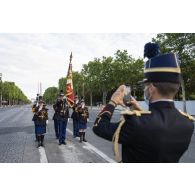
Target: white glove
x,y
68,119
87,120
40,108
47,122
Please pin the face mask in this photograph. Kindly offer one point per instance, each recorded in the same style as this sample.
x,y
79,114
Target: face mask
x,y
147,96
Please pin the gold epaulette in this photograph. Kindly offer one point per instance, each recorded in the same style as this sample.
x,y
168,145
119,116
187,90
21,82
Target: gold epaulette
x,y
135,112
187,115
33,109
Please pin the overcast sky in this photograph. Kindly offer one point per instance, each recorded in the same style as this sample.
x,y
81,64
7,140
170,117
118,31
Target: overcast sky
x,y
27,59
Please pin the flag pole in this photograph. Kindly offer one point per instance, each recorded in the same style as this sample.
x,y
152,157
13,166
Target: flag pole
x,y
69,85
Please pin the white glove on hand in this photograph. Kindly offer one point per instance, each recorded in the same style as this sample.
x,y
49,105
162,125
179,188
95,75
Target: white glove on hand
x,y
87,120
47,122
40,108
68,119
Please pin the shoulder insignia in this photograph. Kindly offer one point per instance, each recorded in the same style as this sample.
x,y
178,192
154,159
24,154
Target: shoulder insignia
x,y
187,115
135,112
105,111
98,120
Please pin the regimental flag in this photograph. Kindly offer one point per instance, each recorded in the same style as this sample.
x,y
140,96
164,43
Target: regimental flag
x,y
69,85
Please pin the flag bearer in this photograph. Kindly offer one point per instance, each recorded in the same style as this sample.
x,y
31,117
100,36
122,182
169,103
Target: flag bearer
x,y
62,112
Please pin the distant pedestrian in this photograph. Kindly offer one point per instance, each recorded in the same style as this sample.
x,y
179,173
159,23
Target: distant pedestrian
x,y
40,119
83,118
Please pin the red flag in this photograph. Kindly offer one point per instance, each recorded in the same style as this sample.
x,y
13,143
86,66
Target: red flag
x,y
69,84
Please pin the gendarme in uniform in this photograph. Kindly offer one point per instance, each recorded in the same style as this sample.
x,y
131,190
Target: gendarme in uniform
x,y
161,134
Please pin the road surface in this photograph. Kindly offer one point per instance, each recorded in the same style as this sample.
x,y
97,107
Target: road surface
x,y
17,143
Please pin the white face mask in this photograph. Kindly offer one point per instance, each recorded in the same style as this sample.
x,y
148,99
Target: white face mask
x,y
147,95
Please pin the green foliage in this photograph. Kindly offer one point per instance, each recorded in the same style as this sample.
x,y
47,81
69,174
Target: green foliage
x,y
192,97
13,94
184,45
103,76
50,95
62,84
78,83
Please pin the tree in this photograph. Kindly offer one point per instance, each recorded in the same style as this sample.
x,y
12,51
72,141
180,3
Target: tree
x,y
62,84
12,94
50,95
184,45
78,82
103,76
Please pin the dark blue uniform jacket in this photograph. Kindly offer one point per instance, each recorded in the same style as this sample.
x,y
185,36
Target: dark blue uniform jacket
x,y
162,136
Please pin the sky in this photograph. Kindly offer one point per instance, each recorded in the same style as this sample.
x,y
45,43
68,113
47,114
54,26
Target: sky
x,y
28,59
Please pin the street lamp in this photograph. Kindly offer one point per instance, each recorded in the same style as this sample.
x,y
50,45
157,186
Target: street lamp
x,y
0,89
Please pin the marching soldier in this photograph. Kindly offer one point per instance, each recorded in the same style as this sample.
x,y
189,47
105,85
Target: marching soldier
x,y
75,117
36,103
83,117
62,115
55,118
161,134
40,119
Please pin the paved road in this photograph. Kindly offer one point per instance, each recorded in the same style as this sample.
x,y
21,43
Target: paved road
x,y
17,141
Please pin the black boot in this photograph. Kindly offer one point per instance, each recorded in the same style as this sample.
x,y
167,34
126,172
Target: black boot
x,y
39,141
42,140
81,136
84,137
36,138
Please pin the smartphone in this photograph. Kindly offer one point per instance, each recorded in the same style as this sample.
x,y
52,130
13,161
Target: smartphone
x,y
127,96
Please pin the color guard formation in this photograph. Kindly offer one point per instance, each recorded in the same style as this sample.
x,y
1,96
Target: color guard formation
x,y
61,117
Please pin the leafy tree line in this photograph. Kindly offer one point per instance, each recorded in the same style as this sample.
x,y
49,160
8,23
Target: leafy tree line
x,y
12,94
50,95
100,77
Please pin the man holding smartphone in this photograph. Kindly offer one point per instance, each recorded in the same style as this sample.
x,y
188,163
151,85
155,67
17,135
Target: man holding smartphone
x,y
161,134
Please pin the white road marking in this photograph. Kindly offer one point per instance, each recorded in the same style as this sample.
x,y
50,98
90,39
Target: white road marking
x,y
69,153
100,153
43,157
92,148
